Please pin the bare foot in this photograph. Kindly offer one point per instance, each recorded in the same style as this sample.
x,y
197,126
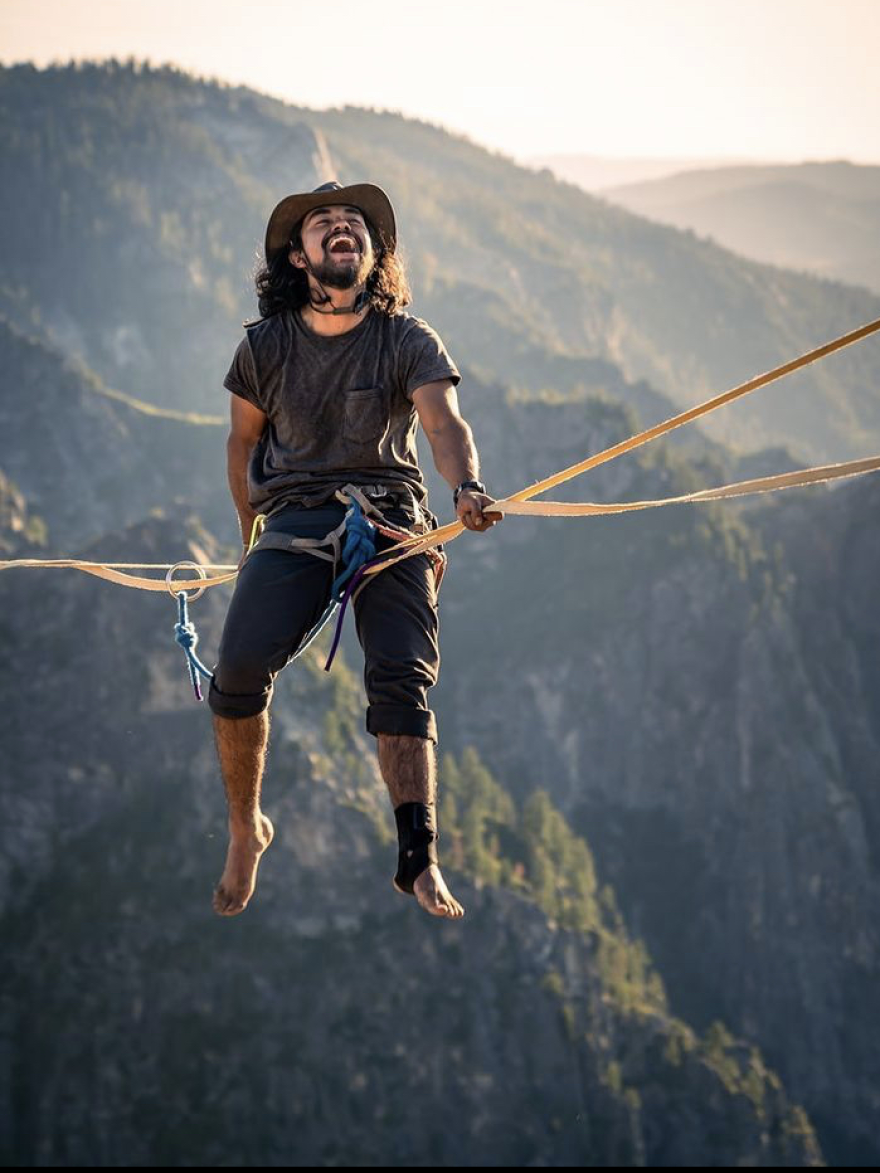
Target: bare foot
x,y
431,892
239,877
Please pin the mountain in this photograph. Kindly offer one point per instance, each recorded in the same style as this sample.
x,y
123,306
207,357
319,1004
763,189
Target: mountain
x,y
95,789
595,172
668,720
157,189
696,689
137,1028
822,218
87,458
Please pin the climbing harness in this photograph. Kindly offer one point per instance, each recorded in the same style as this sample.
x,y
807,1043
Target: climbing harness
x,y
358,548
363,520
350,547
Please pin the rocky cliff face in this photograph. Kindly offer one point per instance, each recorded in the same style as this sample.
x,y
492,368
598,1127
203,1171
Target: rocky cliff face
x,y
697,690
637,678
332,1023
87,459
21,533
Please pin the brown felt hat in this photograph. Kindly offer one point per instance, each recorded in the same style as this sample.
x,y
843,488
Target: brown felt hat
x,y
371,200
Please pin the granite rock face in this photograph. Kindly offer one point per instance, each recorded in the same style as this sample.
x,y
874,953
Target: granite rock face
x,y
332,1022
697,688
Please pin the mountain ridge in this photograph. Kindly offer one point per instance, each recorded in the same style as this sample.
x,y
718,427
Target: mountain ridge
x,y
819,218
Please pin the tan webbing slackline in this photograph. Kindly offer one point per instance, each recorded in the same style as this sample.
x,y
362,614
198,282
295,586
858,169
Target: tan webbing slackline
x,y
521,502
787,480
111,572
447,532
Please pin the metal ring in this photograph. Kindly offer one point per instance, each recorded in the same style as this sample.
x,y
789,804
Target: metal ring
x,y
197,592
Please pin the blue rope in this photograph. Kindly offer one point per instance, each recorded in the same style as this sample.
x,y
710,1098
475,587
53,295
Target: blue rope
x,y
359,548
185,634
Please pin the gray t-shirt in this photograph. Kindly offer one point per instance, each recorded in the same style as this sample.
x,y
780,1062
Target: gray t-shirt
x,y
339,408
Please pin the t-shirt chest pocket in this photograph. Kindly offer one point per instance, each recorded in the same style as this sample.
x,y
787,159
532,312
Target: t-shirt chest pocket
x,y
365,416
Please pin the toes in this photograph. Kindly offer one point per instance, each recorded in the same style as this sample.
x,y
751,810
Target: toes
x,y
447,906
432,903
457,909
225,904
433,895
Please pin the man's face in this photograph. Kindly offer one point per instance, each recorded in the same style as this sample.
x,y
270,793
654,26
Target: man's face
x,y
338,245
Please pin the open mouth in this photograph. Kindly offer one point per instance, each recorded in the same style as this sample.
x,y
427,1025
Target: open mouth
x,y
343,244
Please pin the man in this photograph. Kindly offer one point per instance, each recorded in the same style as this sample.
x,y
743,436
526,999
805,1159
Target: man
x,y
328,388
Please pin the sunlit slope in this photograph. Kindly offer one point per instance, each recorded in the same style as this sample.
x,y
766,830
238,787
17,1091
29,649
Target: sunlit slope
x,y
135,202
820,217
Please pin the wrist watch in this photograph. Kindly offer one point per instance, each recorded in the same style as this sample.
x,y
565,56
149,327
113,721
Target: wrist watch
x,y
477,486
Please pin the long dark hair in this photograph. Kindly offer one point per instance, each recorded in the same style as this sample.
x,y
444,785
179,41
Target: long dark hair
x,y
281,285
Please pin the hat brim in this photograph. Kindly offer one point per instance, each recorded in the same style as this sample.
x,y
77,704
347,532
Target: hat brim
x,y
371,200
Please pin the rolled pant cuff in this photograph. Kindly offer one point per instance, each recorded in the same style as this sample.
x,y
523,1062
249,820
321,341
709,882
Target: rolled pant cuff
x,y
401,720
234,706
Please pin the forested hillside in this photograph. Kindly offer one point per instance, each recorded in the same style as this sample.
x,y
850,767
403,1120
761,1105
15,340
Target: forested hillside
x,y
135,202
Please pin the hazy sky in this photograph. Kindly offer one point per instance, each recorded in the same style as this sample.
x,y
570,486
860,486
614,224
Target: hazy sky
x,y
776,79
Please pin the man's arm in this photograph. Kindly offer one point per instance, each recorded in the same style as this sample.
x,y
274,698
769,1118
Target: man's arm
x,y
247,425
455,454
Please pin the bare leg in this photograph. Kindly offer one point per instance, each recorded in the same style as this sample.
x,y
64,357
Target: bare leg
x,y
241,745
409,767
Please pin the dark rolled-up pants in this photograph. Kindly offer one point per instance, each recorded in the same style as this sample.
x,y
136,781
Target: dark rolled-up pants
x,y
279,597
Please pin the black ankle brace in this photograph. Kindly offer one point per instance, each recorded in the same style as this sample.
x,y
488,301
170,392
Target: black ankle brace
x,y
417,837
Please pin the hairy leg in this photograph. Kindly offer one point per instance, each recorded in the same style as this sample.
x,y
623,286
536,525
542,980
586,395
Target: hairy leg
x,y
409,767
241,747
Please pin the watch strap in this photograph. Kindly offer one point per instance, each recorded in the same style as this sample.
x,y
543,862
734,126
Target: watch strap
x,y
477,486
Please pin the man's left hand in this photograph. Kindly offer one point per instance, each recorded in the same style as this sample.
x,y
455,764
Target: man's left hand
x,y
471,511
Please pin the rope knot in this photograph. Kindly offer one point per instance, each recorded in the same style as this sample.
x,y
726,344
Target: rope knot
x,y
186,635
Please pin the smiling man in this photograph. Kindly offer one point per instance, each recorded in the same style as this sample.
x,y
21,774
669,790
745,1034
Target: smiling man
x,y
328,388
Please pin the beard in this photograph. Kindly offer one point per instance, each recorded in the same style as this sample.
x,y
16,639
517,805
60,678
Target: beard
x,y
343,276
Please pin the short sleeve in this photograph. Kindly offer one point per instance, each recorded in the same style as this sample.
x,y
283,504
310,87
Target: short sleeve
x,y
424,358
241,379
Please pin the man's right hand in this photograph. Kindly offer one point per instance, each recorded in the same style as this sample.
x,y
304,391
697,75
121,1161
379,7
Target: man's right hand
x,y
473,511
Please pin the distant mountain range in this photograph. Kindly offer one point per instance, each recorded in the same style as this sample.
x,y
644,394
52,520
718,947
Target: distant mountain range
x,y
821,218
595,172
